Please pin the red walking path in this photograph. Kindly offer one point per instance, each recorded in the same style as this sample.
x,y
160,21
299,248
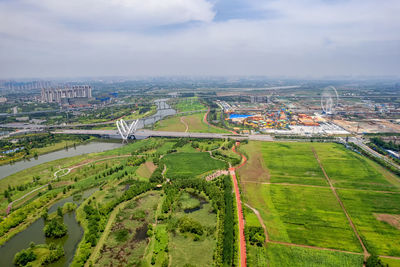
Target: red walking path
x,y
239,209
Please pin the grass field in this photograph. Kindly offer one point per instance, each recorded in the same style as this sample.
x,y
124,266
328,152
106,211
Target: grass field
x,y
189,104
146,169
285,183
190,164
194,121
183,248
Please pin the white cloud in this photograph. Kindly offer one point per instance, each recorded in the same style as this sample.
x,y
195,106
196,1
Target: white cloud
x,y
307,37
128,12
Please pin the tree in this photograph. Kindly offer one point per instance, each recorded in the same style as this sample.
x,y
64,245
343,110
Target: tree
x,y
374,261
55,229
59,211
45,215
64,191
50,187
23,257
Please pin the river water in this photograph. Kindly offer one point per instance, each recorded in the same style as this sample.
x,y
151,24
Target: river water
x,y
163,110
6,170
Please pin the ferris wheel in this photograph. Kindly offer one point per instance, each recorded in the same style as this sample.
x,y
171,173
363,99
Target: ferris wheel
x,y
329,100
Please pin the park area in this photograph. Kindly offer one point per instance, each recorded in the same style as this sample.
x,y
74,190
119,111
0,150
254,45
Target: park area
x,y
318,204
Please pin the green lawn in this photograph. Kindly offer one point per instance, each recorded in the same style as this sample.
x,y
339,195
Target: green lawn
x,y
380,237
190,164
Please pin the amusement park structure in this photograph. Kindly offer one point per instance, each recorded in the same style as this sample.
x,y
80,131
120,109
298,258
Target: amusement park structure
x,y
126,131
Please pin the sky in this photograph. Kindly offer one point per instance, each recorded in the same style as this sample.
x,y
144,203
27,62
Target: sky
x,y
290,38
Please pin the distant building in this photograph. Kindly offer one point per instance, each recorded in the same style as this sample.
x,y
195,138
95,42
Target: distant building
x,y
258,99
3,99
78,94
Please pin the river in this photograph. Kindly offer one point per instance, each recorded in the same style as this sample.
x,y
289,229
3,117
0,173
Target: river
x,y
6,170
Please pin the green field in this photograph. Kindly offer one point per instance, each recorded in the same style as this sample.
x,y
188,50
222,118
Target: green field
x,y
286,185
276,255
194,122
347,169
292,163
303,215
380,237
189,104
190,165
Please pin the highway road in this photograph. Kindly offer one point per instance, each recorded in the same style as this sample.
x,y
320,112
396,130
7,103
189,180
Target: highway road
x,y
143,133
366,148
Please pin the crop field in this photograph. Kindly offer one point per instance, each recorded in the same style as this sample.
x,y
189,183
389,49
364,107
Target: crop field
x,y
376,216
303,215
191,164
292,163
305,223
347,169
281,255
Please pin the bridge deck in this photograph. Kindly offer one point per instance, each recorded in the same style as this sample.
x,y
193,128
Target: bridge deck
x,y
150,133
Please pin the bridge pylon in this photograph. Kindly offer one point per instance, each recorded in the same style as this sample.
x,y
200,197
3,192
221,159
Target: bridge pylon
x,y
125,131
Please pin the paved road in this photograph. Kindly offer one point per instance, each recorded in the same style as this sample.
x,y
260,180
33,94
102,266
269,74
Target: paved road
x,y
149,133
366,148
242,240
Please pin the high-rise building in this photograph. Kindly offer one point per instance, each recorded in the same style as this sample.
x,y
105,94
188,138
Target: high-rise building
x,y
67,95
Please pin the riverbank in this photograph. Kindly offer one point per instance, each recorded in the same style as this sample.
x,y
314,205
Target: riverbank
x,y
37,152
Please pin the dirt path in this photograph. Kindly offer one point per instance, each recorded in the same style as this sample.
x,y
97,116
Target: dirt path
x,y
184,123
209,124
242,240
68,170
261,221
366,254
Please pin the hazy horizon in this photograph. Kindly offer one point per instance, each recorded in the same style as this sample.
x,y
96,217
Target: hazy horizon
x,y
305,39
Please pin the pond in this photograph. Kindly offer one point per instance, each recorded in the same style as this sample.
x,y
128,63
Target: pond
x,y
34,233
